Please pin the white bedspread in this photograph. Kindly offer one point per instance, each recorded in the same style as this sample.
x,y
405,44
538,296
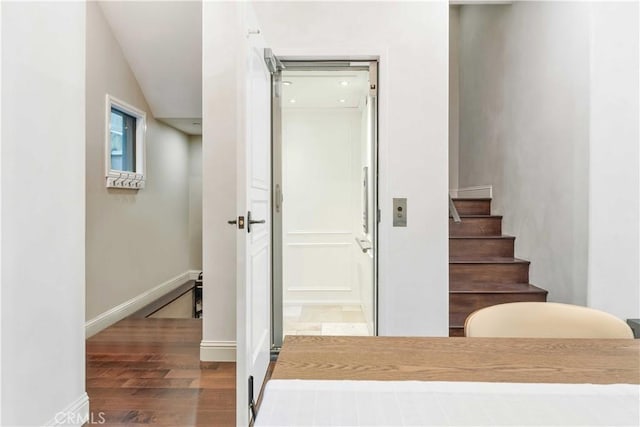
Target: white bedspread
x,y
415,403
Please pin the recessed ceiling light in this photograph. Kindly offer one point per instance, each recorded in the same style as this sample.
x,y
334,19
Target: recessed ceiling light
x,y
344,83
287,83
293,101
342,101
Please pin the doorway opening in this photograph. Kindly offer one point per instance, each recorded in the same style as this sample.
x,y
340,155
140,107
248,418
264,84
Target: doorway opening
x,y
325,199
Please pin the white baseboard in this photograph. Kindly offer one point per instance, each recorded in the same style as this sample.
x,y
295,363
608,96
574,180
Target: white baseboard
x,y
75,414
218,351
478,192
129,307
193,274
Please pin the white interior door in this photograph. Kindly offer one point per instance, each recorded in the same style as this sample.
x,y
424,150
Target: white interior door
x,y
254,240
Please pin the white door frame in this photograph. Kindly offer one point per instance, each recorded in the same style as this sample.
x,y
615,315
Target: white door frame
x,y
277,274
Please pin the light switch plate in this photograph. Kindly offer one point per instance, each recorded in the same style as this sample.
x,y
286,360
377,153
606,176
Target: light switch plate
x,y
400,212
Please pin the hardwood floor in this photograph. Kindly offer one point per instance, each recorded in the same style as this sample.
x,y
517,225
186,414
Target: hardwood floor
x,y
148,371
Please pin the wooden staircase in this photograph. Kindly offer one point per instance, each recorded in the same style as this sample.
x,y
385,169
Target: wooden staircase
x,y
482,267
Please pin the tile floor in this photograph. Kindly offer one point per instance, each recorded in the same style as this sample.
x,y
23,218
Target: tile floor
x,y
324,320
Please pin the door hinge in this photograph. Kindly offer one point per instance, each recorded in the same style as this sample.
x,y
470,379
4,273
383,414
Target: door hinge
x,y
379,215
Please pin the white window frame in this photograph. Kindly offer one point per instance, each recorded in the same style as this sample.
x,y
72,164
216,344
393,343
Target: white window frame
x,y
125,179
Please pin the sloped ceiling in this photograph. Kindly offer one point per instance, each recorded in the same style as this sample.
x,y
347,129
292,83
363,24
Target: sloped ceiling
x,y
162,41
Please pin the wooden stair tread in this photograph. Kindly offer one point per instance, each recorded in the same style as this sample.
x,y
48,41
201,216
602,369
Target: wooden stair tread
x,y
456,331
488,260
494,288
461,305
481,246
473,206
483,270
476,225
503,236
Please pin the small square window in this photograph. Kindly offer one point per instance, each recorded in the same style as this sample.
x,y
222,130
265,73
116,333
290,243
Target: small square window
x,y
123,141
126,127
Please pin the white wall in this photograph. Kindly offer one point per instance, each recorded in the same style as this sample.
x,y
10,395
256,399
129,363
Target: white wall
x,y
135,240
549,117
220,130
524,128
321,169
0,214
614,258
43,195
412,42
454,86
195,202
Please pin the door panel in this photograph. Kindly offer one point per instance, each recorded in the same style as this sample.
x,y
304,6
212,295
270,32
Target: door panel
x,y
254,241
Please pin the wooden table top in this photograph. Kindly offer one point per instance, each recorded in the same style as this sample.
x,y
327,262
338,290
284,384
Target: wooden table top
x,y
526,360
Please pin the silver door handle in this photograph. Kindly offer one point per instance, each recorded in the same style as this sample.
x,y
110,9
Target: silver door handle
x,y
252,221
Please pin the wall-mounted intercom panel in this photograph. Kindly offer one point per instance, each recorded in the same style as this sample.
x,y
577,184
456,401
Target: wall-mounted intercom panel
x,y
400,212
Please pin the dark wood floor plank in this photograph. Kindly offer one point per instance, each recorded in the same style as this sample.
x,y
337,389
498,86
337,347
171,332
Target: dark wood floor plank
x,y
148,372
126,373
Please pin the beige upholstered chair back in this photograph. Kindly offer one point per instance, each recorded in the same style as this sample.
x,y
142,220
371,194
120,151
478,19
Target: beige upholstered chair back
x,y
544,320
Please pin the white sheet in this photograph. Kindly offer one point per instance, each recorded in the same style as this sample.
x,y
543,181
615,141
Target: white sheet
x,y
416,403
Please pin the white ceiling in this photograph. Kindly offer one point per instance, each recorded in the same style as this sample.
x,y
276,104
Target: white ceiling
x,y
162,41
324,89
